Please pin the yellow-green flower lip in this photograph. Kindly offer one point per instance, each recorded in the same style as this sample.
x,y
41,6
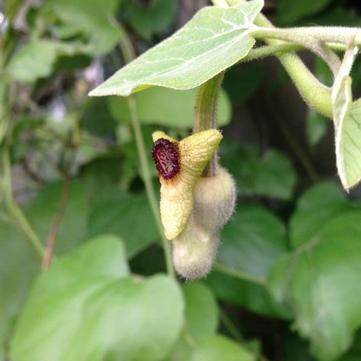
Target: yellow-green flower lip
x,y
176,192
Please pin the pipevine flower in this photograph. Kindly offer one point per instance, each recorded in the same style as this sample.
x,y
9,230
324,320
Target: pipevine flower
x,y
180,164
194,250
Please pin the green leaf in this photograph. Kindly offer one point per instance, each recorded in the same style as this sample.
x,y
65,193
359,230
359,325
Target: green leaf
x,y
259,175
167,107
18,266
315,208
230,287
296,349
347,119
216,348
320,281
73,225
86,307
243,80
316,127
211,42
252,241
250,244
290,11
130,166
149,19
201,310
352,356
36,59
211,348
118,213
18,261
91,18
97,119
340,16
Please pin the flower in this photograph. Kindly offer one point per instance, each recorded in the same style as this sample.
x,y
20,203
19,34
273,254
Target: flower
x,y
194,250
180,164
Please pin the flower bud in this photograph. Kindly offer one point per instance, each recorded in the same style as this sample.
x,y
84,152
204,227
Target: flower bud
x,y
215,199
194,250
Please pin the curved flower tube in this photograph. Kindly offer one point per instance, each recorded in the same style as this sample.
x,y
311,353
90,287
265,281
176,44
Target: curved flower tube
x,y
180,164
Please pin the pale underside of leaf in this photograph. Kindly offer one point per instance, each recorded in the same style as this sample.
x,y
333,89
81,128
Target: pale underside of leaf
x,y
348,136
215,39
347,121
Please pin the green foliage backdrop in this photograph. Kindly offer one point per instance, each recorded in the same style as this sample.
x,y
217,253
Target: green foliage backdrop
x,y
286,282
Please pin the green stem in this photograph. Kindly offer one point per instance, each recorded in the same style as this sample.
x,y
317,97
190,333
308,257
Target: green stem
x,y
13,208
206,104
315,94
147,178
129,54
126,46
282,48
326,34
205,113
5,168
307,37
269,50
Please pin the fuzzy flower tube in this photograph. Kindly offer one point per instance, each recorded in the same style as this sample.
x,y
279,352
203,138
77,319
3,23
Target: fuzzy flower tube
x,y
193,208
180,165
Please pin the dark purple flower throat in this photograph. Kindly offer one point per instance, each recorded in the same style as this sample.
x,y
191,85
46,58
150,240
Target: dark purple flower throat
x,y
166,157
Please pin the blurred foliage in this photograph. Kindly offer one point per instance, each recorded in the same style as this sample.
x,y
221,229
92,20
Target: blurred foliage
x,y
149,18
285,286
94,281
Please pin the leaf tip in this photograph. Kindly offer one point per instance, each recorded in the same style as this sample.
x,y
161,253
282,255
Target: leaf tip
x,y
95,93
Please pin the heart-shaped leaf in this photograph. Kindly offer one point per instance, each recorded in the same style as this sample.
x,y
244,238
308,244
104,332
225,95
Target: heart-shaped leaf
x,y
315,208
201,310
87,307
215,39
250,244
320,278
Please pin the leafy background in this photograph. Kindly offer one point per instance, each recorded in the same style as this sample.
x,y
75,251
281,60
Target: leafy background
x,y
285,286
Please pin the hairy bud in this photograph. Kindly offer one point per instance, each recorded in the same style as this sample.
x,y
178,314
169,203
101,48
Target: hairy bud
x,y
194,250
214,200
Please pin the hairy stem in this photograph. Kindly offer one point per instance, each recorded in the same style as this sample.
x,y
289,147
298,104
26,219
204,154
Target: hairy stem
x,y
205,114
315,94
331,34
129,54
283,48
312,38
269,50
206,104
